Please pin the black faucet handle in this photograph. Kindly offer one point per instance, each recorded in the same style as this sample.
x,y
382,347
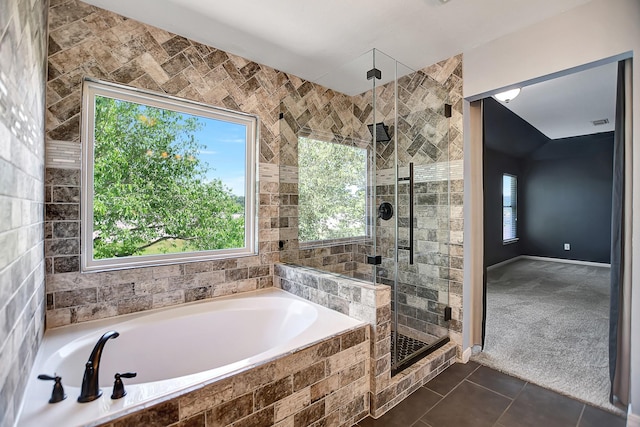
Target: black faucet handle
x,y
128,375
57,394
118,385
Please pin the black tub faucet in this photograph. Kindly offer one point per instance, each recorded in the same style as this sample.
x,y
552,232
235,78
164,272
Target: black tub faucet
x,y
90,381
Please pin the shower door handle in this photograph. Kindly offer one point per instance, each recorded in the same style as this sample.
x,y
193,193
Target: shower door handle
x,y
410,246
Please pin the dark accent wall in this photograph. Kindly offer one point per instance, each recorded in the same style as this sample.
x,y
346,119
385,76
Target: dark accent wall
x,y
508,139
567,198
564,190
497,164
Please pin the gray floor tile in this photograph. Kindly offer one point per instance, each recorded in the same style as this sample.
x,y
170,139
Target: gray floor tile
x,y
497,381
467,405
594,417
451,377
536,406
407,412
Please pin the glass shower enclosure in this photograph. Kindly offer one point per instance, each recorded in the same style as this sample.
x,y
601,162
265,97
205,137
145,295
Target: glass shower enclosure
x,y
365,190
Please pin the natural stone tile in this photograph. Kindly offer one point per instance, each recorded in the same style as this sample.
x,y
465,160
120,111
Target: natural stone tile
x,y
323,388
263,418
197,294
66,229
309,415
88,312
352,338
66,264
159,415
175,84
65,299
292,404
114,293
308,376
62,211
231,411
204,398
168,298
270,393
132,305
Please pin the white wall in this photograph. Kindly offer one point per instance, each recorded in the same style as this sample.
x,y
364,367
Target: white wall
x,y
578,38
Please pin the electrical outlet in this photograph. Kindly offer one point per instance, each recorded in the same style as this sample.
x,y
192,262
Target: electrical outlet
x,y
567,247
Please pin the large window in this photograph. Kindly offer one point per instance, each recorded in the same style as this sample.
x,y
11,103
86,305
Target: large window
x,y
509,208
165,180
332,190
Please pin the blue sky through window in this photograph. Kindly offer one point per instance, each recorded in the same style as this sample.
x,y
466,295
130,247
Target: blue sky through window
x,y
224,152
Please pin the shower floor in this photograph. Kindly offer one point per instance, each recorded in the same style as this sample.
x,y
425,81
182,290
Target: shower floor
x,y
407,346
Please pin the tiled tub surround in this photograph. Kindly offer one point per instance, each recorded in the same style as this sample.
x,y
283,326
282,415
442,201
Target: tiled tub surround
x,y
315,369
23,52
372,304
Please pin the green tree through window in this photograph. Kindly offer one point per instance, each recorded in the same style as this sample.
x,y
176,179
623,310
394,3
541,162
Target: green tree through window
x,y
332,190
153,190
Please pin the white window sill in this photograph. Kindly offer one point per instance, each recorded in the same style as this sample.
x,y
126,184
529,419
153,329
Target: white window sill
x,y
510,241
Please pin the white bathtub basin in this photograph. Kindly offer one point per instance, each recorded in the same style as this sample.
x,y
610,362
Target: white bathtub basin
x,y
173,351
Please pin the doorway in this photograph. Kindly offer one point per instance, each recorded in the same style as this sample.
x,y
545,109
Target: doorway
x,y
547,242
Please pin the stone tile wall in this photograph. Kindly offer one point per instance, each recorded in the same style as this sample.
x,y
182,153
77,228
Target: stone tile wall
x,y
326,384
88,41
329,116
370,303
23,52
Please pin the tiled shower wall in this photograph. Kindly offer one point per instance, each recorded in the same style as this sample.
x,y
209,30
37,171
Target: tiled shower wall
x,y
88,41
328,116
22,76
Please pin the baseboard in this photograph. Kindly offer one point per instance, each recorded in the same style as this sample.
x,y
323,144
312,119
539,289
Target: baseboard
x,y
566,261
633,420
466,355
505,262
542,258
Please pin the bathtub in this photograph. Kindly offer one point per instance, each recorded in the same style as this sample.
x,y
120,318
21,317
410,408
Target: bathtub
x,y
173,351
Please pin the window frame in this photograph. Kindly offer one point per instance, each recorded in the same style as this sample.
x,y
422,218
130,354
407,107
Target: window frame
x,y
329,138
92,88
513,207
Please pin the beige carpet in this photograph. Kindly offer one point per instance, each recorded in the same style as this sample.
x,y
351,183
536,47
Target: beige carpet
x,y
548,323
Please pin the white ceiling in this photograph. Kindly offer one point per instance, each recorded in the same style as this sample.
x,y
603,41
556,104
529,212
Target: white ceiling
x,y
315,39
566,106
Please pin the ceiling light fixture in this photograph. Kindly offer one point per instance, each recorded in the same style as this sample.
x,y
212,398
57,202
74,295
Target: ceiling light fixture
x,y
507,95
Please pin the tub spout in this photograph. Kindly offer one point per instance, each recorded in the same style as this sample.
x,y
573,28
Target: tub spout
x,y
90,381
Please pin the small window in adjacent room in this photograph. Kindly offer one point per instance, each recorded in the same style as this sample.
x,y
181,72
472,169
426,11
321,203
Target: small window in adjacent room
x,y
164,180
332,190
509,208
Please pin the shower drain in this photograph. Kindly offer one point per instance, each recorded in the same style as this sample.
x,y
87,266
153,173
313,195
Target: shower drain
x,y
406,347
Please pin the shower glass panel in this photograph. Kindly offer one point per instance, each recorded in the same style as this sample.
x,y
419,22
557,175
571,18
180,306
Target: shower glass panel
x,y
364,189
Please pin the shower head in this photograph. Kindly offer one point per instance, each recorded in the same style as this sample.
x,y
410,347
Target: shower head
x,y
382,132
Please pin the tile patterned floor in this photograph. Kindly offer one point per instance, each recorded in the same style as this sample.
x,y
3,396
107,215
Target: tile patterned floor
x,y
472,395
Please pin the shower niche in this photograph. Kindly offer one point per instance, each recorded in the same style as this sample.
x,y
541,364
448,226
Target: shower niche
x,y
365,190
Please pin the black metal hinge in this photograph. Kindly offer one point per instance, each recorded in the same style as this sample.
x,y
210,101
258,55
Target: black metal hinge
x,y
374,260
447,110
374,72
447,313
